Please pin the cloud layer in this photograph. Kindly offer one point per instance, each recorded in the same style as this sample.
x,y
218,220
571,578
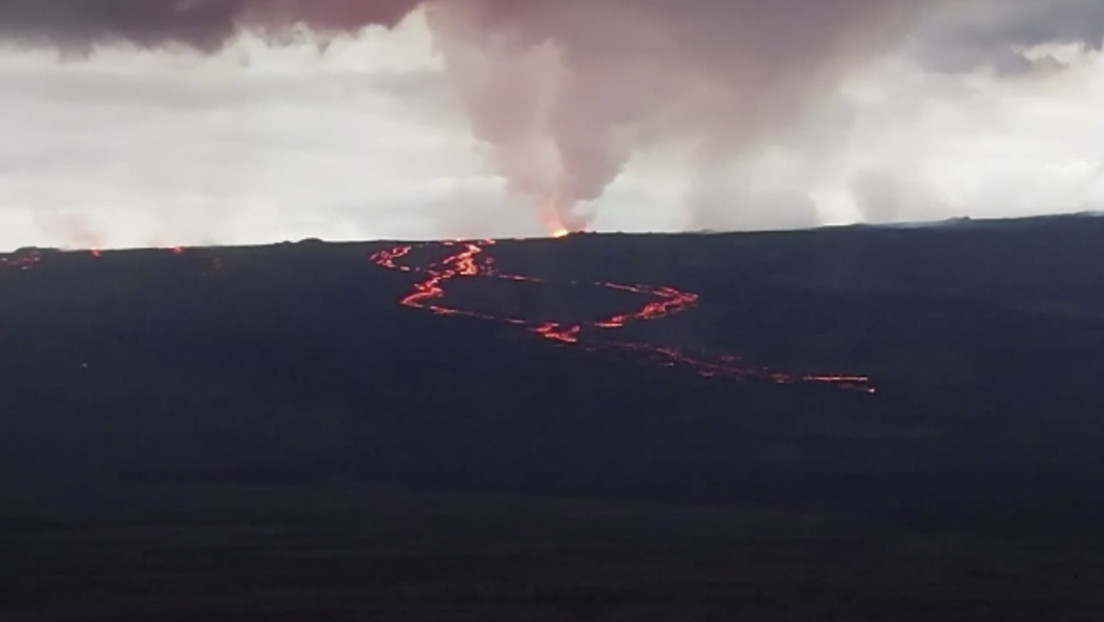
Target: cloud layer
x,y
721,113
77,25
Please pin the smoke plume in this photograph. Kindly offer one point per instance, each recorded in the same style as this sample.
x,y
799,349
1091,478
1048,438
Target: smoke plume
x,y
565,93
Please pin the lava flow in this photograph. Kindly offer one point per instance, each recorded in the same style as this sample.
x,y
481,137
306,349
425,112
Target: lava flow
x,y
472,259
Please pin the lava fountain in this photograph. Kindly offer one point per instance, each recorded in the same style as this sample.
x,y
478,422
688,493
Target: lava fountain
x,y
558,220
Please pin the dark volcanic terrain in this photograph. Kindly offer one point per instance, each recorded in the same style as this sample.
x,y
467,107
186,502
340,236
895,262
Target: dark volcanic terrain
x,y
267,434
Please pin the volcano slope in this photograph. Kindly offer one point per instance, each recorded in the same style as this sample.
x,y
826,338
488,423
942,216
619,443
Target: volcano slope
x,y
266,433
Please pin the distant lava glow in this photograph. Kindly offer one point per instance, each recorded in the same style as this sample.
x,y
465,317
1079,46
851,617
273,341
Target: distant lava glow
x,y
470,259
21,260
26,259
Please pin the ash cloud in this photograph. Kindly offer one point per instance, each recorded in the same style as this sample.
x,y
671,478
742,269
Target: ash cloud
x,y
564,94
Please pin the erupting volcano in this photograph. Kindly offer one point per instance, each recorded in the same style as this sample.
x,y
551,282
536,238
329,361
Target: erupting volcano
x,y
472,259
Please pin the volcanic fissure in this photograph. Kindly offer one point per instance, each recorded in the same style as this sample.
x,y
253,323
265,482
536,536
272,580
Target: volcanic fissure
x,y
473,259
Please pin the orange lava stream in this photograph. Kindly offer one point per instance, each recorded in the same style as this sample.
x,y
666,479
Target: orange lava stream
x,y
473,260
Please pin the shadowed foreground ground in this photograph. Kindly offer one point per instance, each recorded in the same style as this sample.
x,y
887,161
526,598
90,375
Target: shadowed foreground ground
x,y
270,436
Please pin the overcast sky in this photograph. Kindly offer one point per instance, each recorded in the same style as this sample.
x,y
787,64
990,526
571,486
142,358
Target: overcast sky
x,y
370,137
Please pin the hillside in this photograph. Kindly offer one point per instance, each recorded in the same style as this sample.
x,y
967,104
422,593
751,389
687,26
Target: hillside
x,y
221,433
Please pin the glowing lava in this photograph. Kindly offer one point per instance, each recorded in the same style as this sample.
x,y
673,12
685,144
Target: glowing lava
x,y
470,259
555,332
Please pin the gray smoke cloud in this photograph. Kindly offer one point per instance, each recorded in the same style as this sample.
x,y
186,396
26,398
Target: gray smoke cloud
x,y
565,93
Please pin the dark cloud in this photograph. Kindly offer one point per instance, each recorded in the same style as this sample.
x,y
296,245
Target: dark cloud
x,y
80,23
204,24
965,35
1030,22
